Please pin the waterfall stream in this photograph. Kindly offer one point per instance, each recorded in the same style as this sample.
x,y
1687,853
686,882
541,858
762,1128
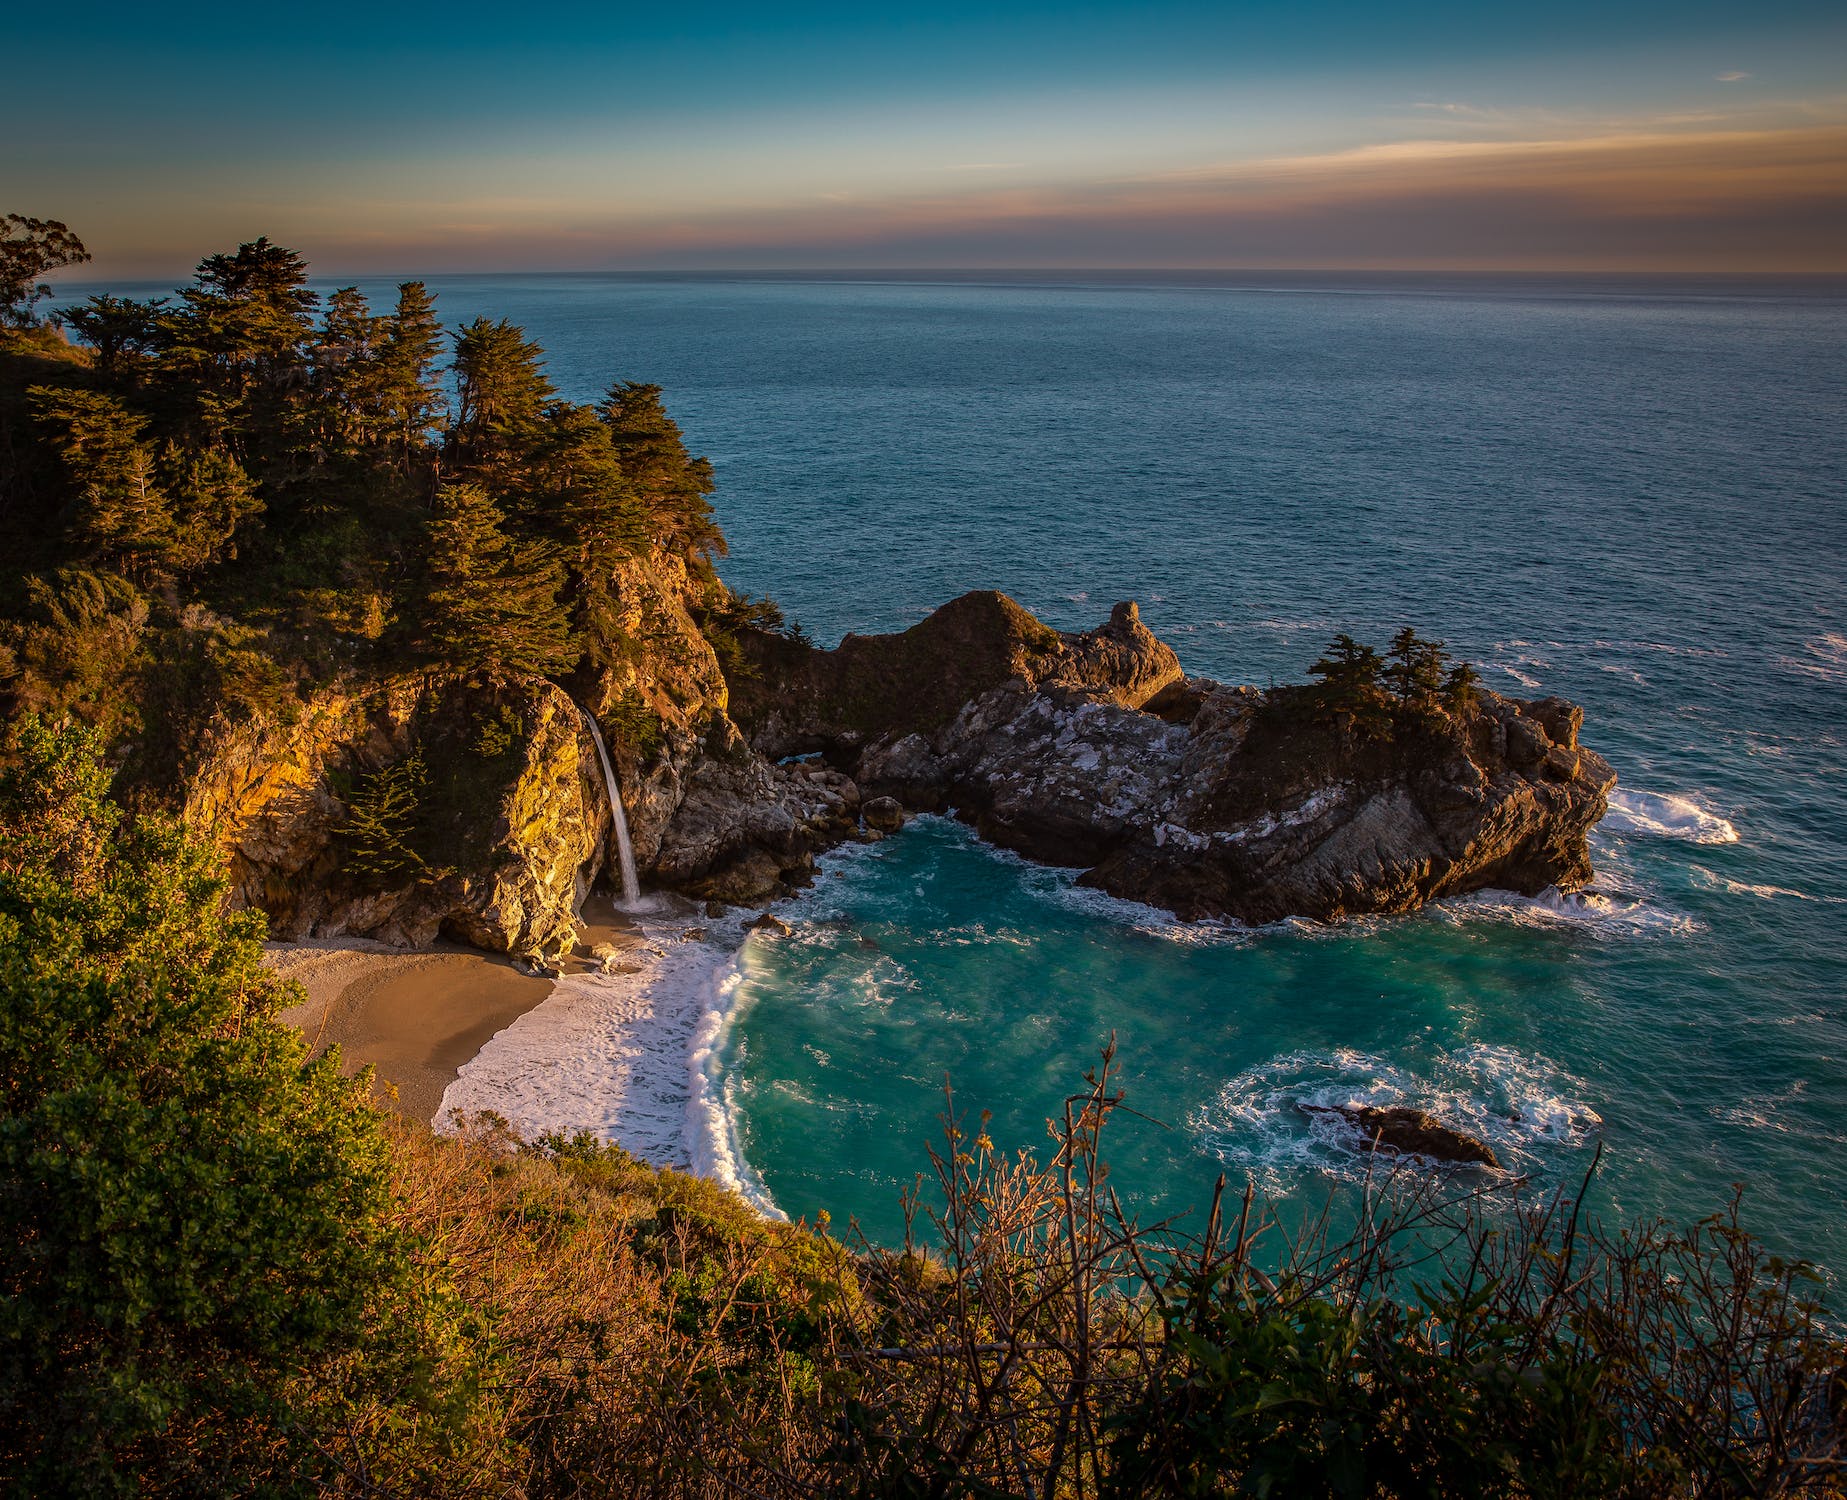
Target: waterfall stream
x,y
631,882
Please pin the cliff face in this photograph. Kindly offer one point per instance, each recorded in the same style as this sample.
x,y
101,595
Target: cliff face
x,y
475,809
1186,794
491,845
508,821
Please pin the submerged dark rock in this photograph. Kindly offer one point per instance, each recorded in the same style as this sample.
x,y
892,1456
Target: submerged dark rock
x,y
1404,1131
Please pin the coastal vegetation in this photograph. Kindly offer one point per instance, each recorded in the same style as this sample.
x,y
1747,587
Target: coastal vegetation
x,y
224,1269
215,504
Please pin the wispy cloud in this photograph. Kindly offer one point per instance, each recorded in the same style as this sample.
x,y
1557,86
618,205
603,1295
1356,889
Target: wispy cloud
x,y
1731,77
1459,111
983,166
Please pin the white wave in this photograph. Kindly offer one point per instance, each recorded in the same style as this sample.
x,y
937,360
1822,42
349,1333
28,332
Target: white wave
x,y
1523,1106
1603,913
1712,880
1514,670
629,1057
1668,816
1827,658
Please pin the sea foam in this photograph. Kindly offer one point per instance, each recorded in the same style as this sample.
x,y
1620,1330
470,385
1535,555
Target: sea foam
x,y
629,1057
1524,1106
1666,815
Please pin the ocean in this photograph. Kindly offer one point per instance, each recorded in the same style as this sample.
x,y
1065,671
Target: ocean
x,y
1628,491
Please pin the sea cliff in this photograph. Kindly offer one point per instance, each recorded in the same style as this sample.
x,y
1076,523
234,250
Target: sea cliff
x,y
1091,749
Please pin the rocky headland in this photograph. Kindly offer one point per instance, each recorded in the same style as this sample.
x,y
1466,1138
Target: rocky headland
x,y
744,753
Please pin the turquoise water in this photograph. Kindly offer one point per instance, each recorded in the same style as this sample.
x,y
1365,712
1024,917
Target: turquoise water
x,y
1630,492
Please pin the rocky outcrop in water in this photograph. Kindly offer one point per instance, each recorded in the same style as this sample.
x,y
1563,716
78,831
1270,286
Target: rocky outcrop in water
x,y
1093,750
1089,749
1403,1131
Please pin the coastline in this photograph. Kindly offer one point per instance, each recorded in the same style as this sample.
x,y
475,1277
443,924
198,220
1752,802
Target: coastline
x,y
627,1051
629,1054
416,1016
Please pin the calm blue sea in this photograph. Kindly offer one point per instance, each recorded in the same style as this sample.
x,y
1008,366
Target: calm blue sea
x,y
1627,491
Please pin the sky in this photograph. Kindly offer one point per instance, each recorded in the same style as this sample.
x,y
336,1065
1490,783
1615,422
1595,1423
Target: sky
x,y
1674,135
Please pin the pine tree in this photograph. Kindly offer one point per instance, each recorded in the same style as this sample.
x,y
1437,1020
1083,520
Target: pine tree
x,y
211,499
673,484
121,330
493,602
347,377
1349,695
238,347
501,397
120,517
1415,672
588,497
1461,689
381,815
410,400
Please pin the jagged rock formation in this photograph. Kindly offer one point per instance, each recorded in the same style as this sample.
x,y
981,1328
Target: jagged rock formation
x,y
1207,800
507,842
1402,1131
507,817
1089,749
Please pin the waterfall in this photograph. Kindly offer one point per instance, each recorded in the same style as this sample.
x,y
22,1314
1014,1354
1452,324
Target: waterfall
x,y
631,883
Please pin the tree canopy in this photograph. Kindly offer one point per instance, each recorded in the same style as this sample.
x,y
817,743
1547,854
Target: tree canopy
x,y
299,487
31,249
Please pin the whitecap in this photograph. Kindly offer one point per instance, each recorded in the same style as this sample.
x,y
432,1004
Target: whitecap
x,y
1604,913
1513,670
1827,658
1522,1105
1666,815
1714,881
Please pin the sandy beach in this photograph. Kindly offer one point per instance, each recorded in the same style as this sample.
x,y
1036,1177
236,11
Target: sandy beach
x,y
415,1017
625,1044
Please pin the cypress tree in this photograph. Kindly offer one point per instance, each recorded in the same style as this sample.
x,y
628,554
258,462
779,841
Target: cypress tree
x,y
120,517
1415,672
493,601
410,400
670,482
501,396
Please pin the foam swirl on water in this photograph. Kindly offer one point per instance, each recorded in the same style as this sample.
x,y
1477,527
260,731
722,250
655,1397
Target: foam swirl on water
x,y
1667,816
1524,1106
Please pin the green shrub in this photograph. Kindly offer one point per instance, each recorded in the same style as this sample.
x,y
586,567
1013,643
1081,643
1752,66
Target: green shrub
x,y
199,1283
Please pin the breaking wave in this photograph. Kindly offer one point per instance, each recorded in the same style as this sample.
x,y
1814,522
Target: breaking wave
x,y
1601,912
1667,816
1523,1106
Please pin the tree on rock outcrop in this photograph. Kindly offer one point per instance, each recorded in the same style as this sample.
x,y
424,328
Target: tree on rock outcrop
x,y
673,484
1461,689
1414,669
1349,695
501,398
493,601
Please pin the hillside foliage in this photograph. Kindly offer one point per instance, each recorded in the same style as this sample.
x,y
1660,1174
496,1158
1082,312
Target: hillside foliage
x,y
214,502
223,1272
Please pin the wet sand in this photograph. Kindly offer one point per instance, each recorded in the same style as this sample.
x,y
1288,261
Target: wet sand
x,y
417,1017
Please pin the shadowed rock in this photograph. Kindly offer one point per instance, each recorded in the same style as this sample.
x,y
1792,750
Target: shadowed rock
x,y
1404,1131
1093,750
